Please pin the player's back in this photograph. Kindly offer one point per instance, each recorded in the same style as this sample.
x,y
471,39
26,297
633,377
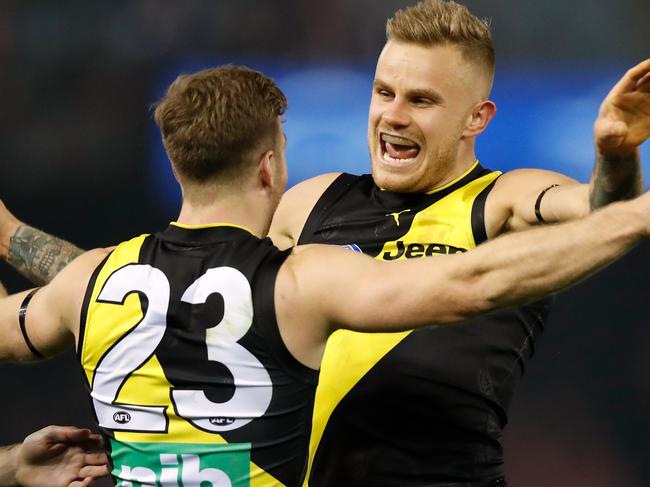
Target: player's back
x,y
187,371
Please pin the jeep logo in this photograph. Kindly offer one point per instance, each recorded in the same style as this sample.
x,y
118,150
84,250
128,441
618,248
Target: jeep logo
x,y
121,417
414,250
220,421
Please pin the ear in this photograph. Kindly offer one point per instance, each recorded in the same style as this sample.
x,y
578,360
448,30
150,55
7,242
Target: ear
x,y
265,169
480,117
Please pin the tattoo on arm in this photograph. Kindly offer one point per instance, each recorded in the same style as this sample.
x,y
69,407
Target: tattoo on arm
x,y
615,178
38,255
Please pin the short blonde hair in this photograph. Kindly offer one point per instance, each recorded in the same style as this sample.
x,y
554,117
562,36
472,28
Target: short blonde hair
x,y
212,121
432,22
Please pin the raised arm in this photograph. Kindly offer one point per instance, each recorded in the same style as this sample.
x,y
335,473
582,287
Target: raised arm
x,y
330,287
56,456
623,124
528,197
32,252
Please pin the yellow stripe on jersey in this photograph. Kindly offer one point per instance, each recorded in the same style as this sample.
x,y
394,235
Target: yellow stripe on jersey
x,y
351,355
101,332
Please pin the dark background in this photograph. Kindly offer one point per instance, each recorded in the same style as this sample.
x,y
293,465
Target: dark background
x,y
76,145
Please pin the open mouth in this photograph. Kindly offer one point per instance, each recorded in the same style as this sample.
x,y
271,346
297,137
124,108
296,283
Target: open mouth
x,y
398,149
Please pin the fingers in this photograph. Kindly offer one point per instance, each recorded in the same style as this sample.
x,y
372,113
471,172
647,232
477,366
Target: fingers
x,y
82,483
644,83
96,458
633,76
94,471
66,434
93,442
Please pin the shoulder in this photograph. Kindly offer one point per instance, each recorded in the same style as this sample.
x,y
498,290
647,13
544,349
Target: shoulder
x,y
295,207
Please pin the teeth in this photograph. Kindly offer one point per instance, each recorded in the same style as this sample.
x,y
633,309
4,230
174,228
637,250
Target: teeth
x,y
394,139
390,158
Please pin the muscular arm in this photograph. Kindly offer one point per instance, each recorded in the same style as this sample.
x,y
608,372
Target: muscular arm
x,y
38,255
623,124
55,456
52,318
330,287
34,253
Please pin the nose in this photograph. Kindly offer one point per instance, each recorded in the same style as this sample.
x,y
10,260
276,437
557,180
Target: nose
x,y
395,114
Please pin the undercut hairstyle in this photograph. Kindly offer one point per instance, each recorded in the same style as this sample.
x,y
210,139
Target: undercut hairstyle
x,y
216,121
434,22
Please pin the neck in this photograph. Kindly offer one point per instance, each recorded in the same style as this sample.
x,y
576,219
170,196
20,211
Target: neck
x,y
242,210
464,160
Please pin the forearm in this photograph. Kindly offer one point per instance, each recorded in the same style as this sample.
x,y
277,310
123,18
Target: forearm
x,y
524,266
616,177
36,254
8,465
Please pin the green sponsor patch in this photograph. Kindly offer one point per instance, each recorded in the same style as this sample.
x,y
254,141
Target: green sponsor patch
x,y
181,464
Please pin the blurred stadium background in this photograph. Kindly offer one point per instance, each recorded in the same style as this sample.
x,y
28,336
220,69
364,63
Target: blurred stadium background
x,y
80,157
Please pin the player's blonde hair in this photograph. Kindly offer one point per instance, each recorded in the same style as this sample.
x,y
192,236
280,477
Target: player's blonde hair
x,y
214,121
433,22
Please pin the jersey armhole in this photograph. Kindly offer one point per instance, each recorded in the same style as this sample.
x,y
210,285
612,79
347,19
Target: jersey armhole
x,y
86,304
479,232
332,193
264,307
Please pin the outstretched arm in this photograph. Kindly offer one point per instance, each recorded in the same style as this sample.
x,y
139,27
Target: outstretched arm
x,y
56,456
32,252
623,124
330,287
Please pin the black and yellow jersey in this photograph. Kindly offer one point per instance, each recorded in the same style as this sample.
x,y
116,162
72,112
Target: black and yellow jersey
x,y
188,375
420,407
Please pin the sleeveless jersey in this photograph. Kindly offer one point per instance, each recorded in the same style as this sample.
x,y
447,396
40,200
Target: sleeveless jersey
x,y
188,375
422,407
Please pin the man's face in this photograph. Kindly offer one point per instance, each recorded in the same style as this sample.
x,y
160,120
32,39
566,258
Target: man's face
x,y
421,102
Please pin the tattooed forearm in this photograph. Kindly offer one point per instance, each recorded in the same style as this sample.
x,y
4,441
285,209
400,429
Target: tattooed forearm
x,y
39,256
615,178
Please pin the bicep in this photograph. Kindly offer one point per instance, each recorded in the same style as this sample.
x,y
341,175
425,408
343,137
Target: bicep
x,y
52,315
528,197
42,328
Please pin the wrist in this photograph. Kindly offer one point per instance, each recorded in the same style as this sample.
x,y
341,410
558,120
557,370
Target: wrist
x,y
9,461
616,155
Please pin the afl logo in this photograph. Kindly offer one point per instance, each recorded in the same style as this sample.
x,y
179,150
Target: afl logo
x,y
121,417
219,421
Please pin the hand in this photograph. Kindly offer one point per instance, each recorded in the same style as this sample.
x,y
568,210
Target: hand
x,y
8,226
623,122
60,456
